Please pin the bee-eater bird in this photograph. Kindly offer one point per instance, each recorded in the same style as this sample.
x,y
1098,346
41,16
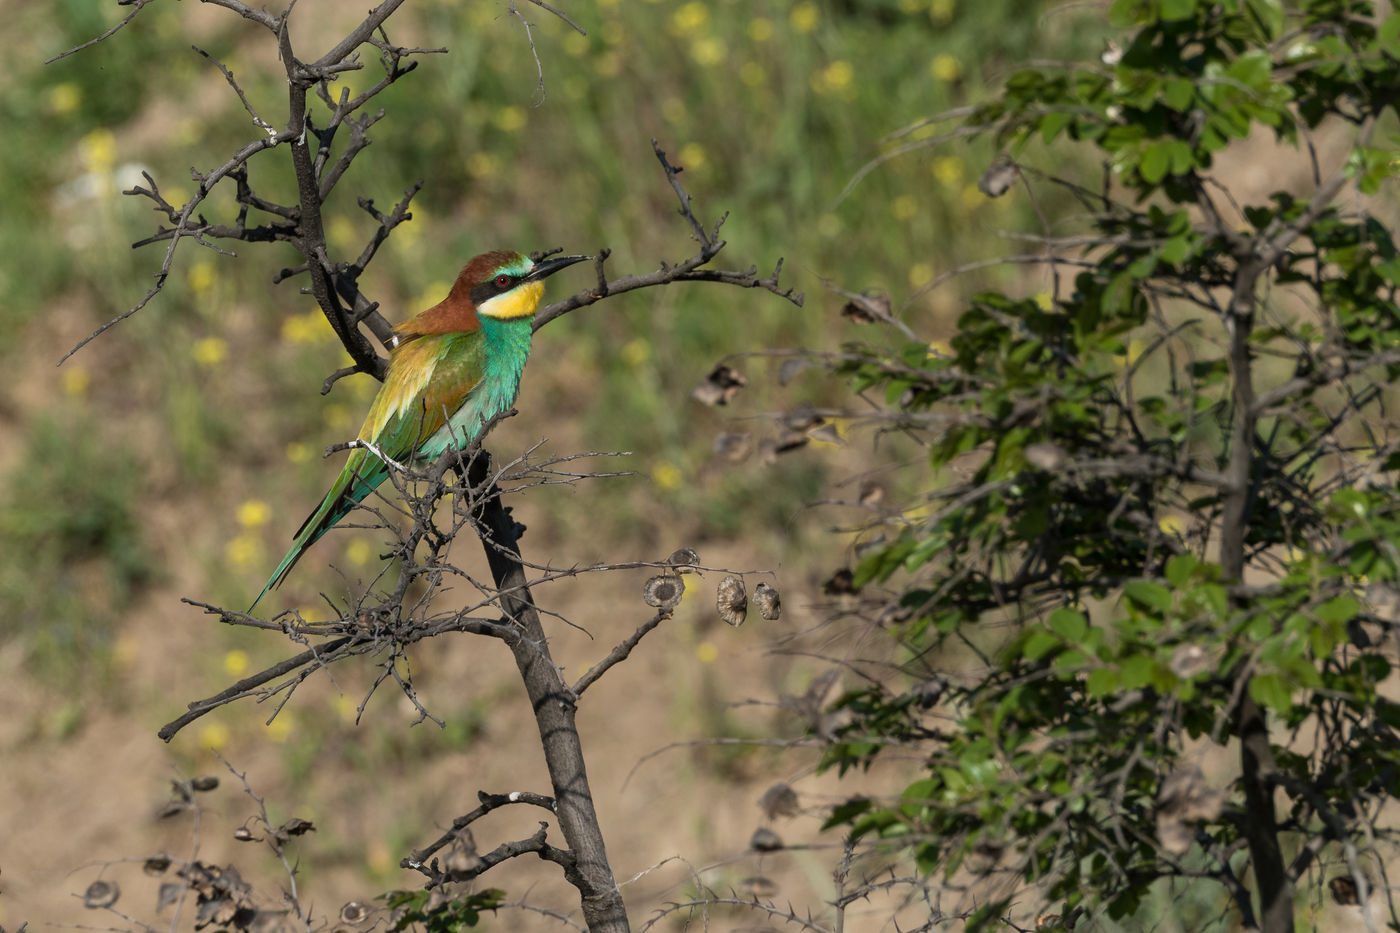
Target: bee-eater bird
x,y
452,368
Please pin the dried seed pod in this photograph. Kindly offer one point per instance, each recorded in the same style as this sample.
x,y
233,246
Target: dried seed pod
x,y
841,583
731,601
1188,660
770,605
354,913
733,446
871,306
998,178
206,783
156,864
802,418
683,557
772,448
1344,890
296,826
765,840
779,800
664,591
101,894
169,893
871,493
719,386
244,834
759,886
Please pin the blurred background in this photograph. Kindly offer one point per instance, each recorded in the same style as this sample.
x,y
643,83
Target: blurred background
x,y
174,456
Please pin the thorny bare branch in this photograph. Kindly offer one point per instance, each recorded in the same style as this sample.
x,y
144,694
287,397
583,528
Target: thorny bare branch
x,y
136,7
489,803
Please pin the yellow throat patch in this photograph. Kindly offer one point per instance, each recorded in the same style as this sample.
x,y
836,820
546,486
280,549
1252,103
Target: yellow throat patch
x,y
520,301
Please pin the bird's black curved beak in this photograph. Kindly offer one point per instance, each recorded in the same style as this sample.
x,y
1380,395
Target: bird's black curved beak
x,y
548,267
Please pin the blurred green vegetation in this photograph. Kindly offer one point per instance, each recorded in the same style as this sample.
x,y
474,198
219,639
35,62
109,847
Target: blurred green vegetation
x,y
214,387
69,525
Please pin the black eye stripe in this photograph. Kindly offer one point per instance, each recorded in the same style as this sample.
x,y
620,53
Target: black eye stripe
x,y
496,285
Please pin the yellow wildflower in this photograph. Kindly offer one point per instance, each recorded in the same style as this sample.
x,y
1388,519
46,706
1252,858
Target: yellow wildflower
x,y
636,352
510,119
667,475
948,170
358,552
707,51
254,513
209,351
803,18
243,551
690,17
64,98
215,735
692,156
835,78
236,663
75,380
99,150
200,276
946,68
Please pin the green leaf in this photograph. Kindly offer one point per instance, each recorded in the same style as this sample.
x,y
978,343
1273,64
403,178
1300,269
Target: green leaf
x,y
1268,15
1271,691
1174,10
1137,671
1180,568
1102,682
1148,595
1068,624
1252,69
1339,609
1155,161
1125,13
1388,36
1038,643
847,812
1052,123
1178,93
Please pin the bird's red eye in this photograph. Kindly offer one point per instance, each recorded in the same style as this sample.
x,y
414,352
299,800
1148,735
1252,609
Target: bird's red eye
x,y
503,282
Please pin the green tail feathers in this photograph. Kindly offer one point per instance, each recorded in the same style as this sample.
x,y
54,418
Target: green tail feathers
x,y
350,489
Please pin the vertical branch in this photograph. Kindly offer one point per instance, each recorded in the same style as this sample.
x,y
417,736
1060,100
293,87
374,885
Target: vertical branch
x,y
312,231
554,706
1256,755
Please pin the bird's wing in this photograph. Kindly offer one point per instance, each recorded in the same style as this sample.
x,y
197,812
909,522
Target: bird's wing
x,y
427,381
